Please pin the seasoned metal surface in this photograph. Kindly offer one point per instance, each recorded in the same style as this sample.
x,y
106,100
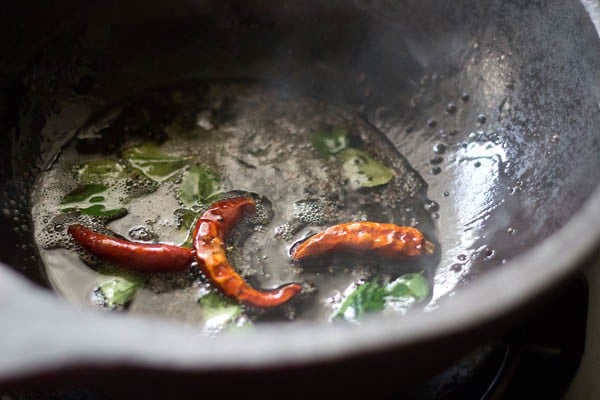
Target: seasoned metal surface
x,y
494,103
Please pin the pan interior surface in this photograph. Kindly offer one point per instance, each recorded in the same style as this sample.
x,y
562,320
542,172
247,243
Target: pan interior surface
x,y
494,104
148,168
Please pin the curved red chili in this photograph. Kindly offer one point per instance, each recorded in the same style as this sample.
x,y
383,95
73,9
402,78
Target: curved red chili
x,y
228,212
209,243
381,239
146,257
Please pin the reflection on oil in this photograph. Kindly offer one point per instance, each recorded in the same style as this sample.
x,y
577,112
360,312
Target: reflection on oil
x,y
466,163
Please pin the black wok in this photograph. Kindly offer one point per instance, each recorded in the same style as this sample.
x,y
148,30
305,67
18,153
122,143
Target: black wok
x,y
511,88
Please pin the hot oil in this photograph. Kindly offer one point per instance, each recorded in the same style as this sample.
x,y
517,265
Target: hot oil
x,y
257,140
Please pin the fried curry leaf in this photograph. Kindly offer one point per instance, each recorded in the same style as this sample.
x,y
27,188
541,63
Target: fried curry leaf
x,y
100,171
214,303
119,291
362,170
99,210
93,200
368,297
219,311
153,163
199,183
83,193
413,285
397,295
185,219
330,142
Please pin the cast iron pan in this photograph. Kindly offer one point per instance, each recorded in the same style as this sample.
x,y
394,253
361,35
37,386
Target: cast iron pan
x,y
512,88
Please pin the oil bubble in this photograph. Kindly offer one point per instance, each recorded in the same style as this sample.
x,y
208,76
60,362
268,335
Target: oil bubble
x,y
285,231
141,233
312,211
456,267
431,206
451,108
514,190
439,148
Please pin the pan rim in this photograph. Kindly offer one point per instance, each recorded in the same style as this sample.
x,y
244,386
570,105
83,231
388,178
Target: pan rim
x,y
547,263
303,343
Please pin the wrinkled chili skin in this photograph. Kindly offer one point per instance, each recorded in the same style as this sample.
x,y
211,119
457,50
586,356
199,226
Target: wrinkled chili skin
x,y
380,239
145,257
209,244
228,212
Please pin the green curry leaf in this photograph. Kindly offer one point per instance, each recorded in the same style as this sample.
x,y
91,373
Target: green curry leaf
x,y
368,297
100,171
214,303
199,183
362,170
84,193
330,142
98,210
119,291
185,219
397,295
148,159
413,285
219,311
93,200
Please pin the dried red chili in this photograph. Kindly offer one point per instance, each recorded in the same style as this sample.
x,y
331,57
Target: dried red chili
x,y
146,257
209,244
209,250
381,239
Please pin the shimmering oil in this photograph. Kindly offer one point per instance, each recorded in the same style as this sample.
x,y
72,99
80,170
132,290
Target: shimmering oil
x,y
145,168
